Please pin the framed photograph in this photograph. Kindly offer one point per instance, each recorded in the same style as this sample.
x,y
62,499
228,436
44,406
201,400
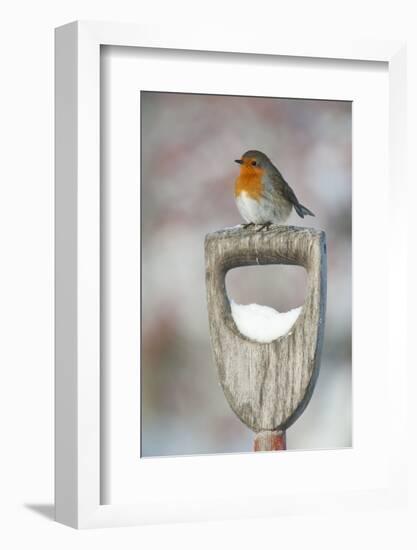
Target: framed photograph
x,y
179,154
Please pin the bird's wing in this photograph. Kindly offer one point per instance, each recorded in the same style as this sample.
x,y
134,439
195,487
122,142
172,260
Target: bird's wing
x,y
282,188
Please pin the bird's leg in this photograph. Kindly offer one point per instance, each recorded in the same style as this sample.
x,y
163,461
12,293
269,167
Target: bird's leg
x,y
266,226
246,225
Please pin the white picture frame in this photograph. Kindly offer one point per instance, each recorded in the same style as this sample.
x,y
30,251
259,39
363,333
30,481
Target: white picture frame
x,y
78,405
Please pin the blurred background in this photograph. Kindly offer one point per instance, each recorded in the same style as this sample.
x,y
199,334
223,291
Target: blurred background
x,y
189,143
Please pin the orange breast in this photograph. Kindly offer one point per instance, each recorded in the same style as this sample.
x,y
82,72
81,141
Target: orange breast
x,y
250,182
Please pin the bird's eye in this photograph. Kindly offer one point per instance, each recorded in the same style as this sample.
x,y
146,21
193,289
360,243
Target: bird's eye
x,y
253,163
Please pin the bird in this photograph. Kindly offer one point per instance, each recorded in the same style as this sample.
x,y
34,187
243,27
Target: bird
x,y
262,195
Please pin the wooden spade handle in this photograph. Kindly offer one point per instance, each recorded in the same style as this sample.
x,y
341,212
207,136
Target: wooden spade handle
x,y
270,441
267,385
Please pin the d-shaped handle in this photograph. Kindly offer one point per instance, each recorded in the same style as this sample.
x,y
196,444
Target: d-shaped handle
x,y
268,385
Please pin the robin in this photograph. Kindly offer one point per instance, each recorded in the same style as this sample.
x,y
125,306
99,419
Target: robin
x,y
262,195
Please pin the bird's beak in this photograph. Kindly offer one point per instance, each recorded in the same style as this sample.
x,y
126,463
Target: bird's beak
x,y
239,161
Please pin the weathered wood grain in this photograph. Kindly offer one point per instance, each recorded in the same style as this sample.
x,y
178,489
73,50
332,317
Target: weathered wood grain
x,y
267,385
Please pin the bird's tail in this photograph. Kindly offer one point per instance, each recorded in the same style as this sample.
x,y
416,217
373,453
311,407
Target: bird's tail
x,y
303,211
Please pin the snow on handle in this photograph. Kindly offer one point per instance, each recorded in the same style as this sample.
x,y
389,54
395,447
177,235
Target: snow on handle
x,y
263,323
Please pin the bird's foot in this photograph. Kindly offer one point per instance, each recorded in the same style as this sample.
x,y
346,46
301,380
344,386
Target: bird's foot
x,y
266,226
246,225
